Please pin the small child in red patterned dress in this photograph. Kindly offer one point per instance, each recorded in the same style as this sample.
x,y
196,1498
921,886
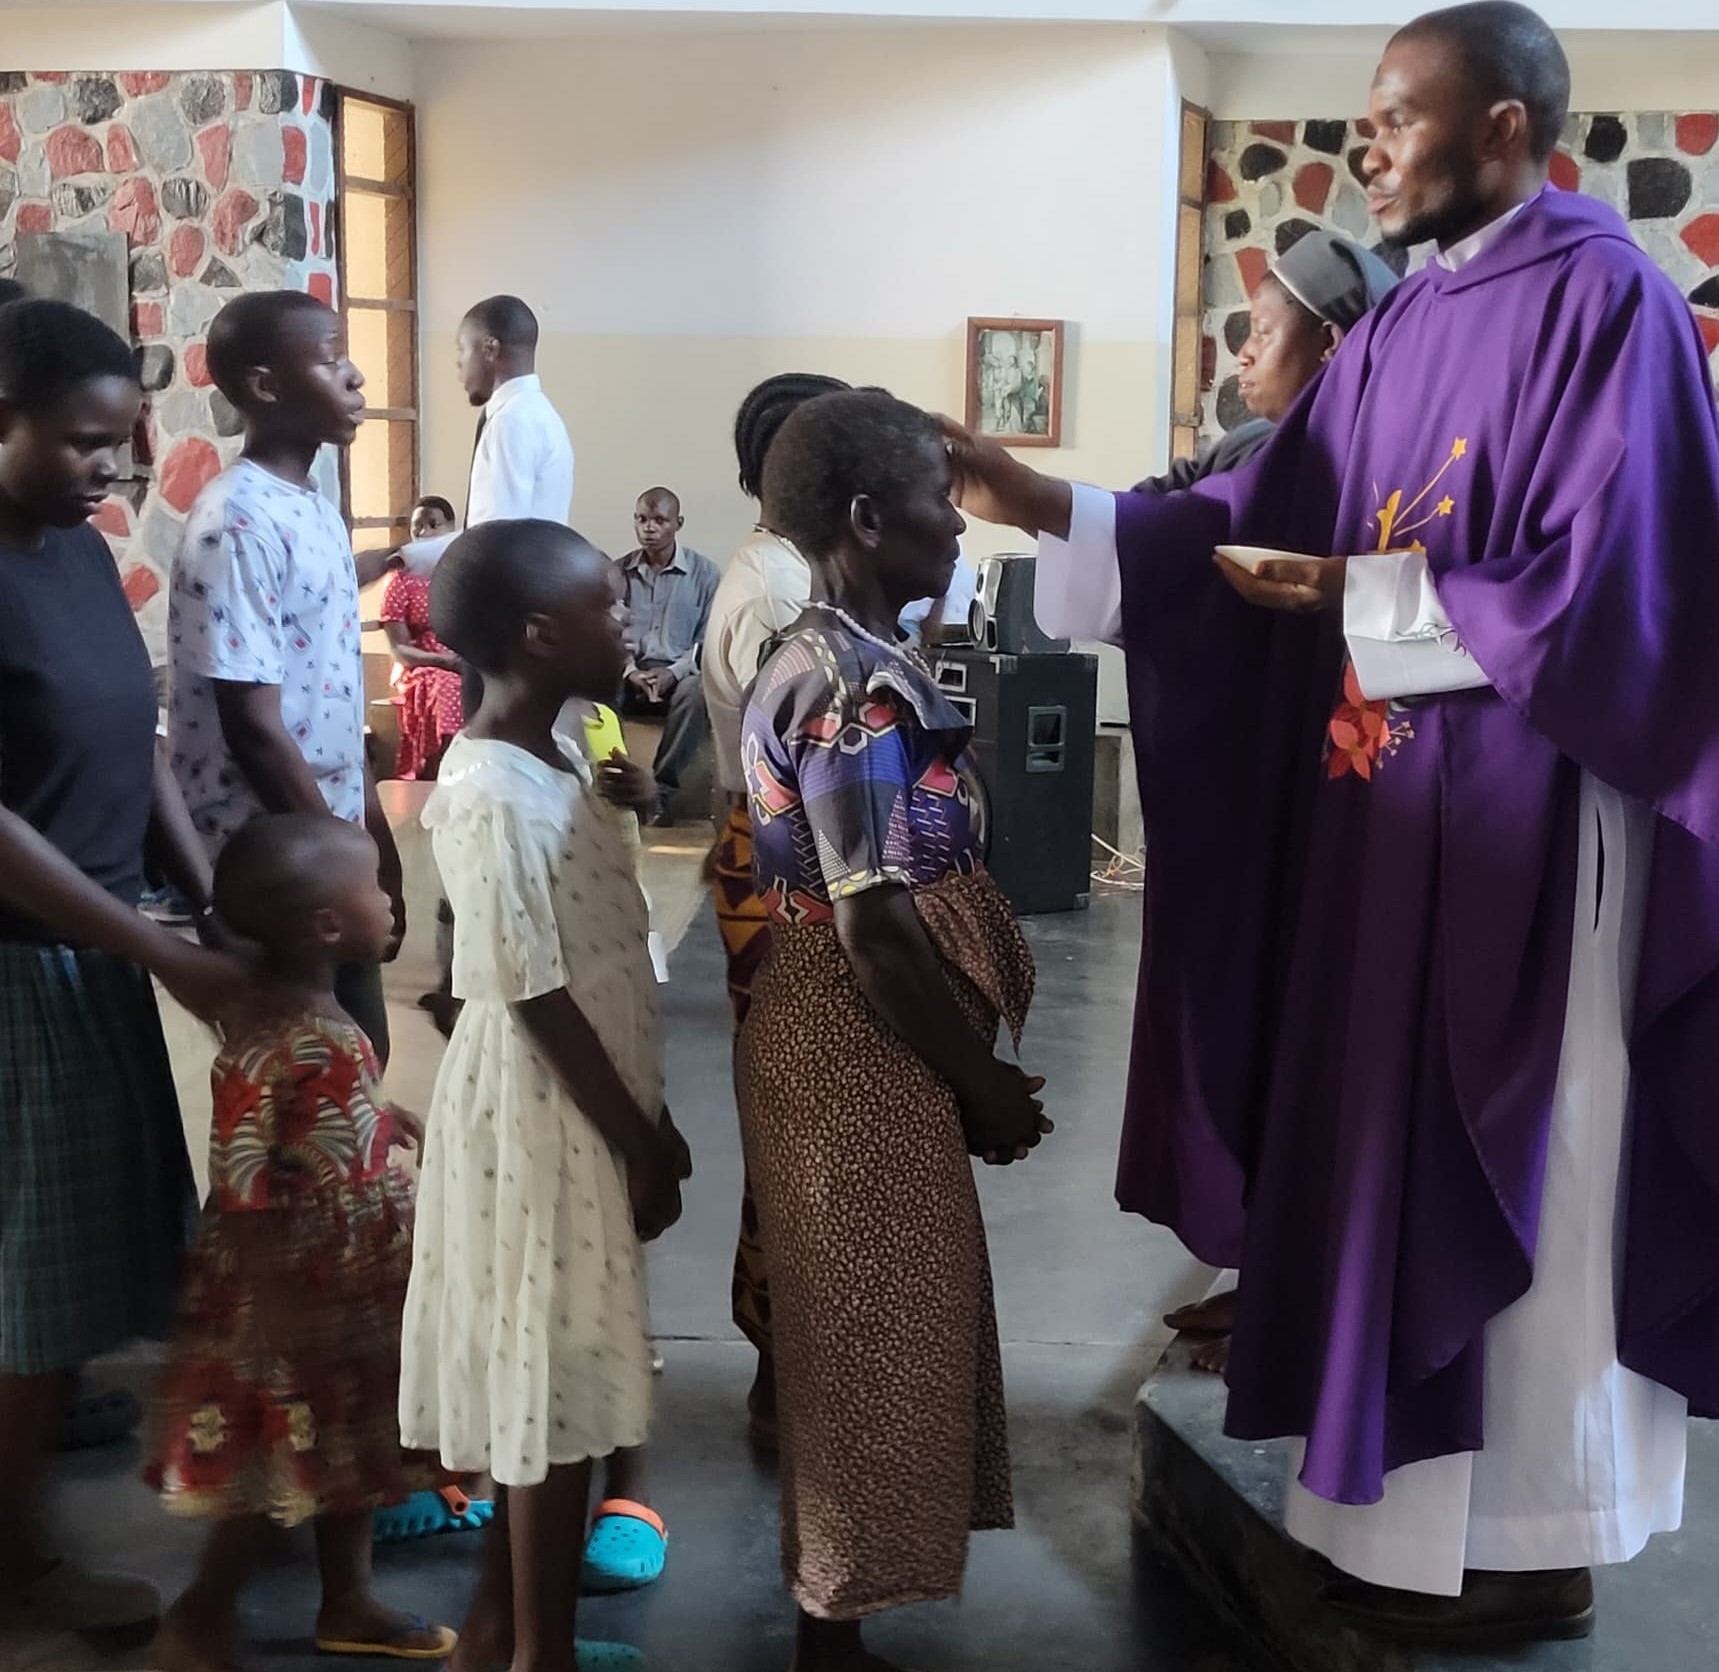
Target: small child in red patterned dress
x,y
427,673
278,1402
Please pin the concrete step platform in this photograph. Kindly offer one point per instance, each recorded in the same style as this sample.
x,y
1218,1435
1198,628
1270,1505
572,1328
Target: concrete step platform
x,y
1213,1507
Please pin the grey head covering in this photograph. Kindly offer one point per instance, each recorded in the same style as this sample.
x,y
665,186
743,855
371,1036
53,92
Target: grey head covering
x,y
1333,277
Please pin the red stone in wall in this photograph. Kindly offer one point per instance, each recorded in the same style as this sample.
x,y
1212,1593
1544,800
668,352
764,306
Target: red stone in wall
x,y
1282,132
1313,187
35,217
146,319
138,83
72,151
294,142
185,250
140,584
1566,172
1253,268
321,286
135,212
315,211
112,520
1702,236
216,146
121,152
1709,324
196,363
10,142
188,469
1698,132
55,76
228,221
243,83
1220,188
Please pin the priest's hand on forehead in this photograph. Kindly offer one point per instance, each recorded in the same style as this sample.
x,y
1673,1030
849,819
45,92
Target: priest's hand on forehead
x,y
996,487
1294,585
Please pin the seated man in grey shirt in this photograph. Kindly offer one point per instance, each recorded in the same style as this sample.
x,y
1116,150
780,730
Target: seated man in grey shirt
x,y
669,589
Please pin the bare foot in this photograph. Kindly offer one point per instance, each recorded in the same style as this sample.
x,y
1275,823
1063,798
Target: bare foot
x,y
189,1642
486,1641
362,1619
763,1425
835,1646
1212,1356
860,1660
1215,1315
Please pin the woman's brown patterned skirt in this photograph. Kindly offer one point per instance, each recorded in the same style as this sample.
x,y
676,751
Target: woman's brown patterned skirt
x,y
894,1438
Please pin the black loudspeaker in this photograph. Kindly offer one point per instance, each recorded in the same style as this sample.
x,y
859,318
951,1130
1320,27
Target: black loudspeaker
x,y
1034,720
1000,617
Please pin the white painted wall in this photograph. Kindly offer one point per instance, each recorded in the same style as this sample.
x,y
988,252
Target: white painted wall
x,y
206,35
691,212
734,198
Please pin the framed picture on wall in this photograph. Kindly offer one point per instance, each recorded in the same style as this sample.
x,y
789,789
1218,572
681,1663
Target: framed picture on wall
x,y
1014,380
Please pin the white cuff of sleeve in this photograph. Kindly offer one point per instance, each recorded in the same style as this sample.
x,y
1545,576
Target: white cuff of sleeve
x,y
1400,639
1077,589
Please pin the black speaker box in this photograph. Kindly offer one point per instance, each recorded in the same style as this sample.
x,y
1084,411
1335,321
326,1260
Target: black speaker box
x,y
1034,720
1001,617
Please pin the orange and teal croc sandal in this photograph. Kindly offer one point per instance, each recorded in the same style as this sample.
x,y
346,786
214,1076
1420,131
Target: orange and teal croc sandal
x,y
424,1514
626,1550
396,1647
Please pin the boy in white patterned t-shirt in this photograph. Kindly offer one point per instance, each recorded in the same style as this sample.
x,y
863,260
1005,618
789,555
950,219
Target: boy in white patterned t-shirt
x,y
266,682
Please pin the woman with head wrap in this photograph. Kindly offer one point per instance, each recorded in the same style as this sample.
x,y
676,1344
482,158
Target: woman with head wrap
x,y
1314,294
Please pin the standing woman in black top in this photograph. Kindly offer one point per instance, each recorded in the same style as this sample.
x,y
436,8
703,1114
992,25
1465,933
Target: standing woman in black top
x,y
95,1184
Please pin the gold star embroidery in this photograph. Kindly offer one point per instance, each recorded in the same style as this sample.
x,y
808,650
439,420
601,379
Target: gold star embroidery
x,y
1445,506
1459,448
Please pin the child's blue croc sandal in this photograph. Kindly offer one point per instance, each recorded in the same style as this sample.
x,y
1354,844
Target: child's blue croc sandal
x,y
606,1657
626,1550
425,1514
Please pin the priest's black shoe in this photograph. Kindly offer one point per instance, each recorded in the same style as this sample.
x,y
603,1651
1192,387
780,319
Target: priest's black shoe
x,y
1494,1610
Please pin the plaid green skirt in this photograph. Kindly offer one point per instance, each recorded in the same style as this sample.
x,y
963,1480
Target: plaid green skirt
x,y
96,1192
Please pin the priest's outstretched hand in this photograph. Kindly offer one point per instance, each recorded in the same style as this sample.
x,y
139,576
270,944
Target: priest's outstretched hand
x,y
996,487
1296,585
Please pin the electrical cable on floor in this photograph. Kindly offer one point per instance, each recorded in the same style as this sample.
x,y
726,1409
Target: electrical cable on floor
x,y
1126,871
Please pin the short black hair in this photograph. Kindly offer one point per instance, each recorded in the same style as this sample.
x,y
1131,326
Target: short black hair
x,y
507,319
12,291
665,496
275,870
435,502
835,448
763,413
48,347
1509,52
248,332
492,577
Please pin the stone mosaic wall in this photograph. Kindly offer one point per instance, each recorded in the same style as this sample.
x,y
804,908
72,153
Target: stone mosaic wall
x,y
1270,182
220,182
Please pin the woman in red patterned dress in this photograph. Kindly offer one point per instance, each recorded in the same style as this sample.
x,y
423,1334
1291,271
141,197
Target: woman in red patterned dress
x,y
279,1399
427,673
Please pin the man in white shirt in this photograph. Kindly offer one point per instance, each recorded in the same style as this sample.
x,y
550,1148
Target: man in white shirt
x,y
523,463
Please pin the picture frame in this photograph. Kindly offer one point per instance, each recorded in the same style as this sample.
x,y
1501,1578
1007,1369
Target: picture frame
x,y
1014,380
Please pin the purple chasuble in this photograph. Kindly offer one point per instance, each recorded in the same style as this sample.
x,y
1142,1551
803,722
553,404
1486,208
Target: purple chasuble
x,y
1359,914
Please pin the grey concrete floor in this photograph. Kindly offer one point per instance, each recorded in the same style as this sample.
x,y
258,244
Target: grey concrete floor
x,y
1080,1291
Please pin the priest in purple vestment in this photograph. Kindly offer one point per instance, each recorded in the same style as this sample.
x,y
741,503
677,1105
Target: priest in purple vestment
x,y
1432,914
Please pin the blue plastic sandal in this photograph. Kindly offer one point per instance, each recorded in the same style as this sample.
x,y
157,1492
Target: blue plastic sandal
x,y
626,1550
606,1657
425,1514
